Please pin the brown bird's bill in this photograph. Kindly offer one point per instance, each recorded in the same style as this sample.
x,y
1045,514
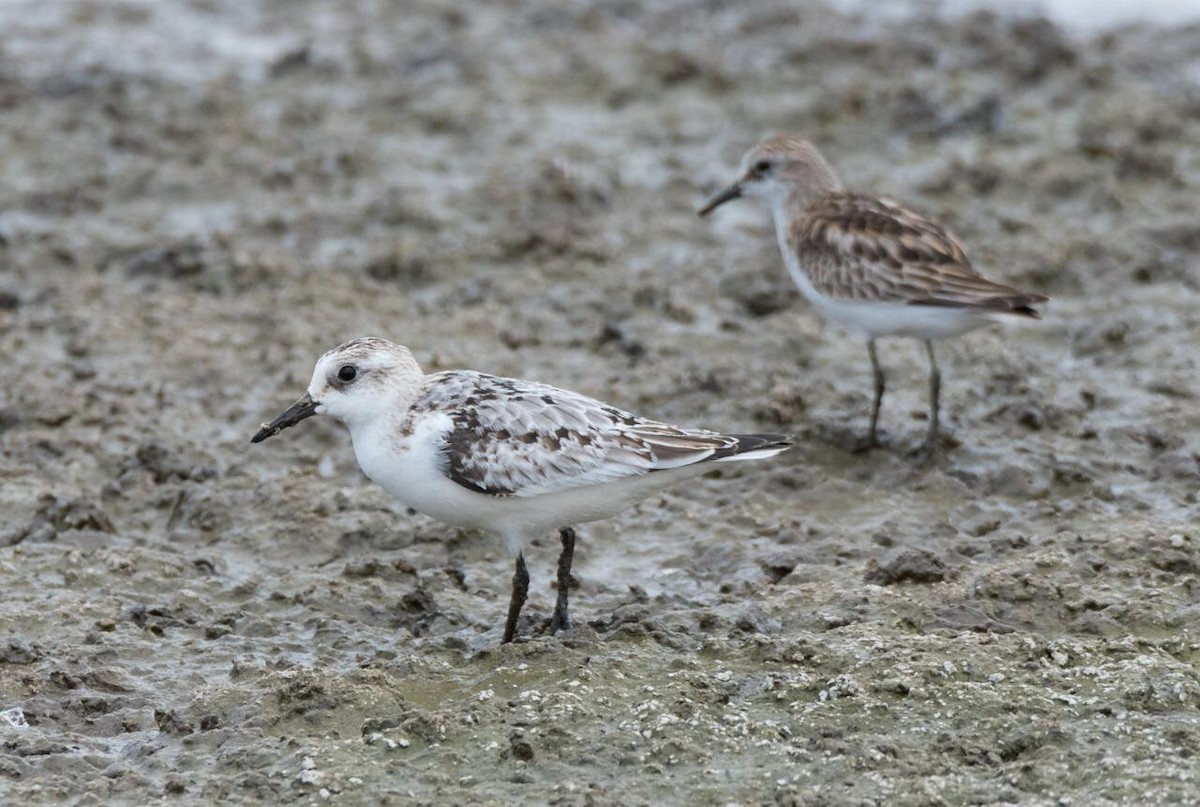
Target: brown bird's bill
x,y
734,191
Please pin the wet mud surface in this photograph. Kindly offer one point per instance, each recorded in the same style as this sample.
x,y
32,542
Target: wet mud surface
x,y
201,197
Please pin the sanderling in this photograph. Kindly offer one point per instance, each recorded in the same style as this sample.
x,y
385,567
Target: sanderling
x,y
510,457
868,263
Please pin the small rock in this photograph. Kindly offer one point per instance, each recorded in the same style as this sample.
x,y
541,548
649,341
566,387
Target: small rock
x,y
896,686
14,717
906,564
169,722
75,514
675,66
779,566
753,620
17,652
216,631
368,567
520,748
183,259
311,777
296,58
403,267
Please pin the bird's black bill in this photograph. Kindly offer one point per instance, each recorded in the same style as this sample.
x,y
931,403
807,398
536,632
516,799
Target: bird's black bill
x,y
301,409
734,191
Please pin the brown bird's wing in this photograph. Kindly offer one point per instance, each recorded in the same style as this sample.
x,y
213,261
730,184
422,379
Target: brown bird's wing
x,y
856,247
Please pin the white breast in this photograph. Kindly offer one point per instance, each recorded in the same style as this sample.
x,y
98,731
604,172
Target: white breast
x,y
407,468
872,319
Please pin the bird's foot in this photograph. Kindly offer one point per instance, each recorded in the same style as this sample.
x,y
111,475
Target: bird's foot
x,y
864,444
929,452
934,448
560,621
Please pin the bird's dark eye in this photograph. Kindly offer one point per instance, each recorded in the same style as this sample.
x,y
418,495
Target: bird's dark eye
x,y
347,373
762,166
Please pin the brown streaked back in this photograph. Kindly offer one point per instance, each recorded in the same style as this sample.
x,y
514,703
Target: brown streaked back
x,y
857,247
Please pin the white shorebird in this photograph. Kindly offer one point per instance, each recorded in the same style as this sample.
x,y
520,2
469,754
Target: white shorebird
x,y
510,457
869,264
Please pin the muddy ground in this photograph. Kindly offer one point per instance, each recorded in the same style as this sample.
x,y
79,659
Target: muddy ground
x,y
201,197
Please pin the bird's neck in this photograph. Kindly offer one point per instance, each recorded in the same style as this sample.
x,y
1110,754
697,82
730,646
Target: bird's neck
x,y
786,210
792,202
387,414
378,439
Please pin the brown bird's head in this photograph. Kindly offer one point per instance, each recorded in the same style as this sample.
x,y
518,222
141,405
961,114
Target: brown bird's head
x,y
781,170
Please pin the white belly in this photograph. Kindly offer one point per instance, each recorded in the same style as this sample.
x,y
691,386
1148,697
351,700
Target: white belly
x,y
872,319
898,319
412,475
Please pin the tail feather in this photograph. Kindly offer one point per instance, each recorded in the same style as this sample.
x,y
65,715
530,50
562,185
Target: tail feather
x,y
753,447
1021,304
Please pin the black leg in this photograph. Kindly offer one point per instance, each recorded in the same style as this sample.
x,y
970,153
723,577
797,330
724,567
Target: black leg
x,y
878,371
561,621
935,393
872,440
520,590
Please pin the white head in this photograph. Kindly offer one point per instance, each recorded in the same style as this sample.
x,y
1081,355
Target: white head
x,y
357,383
785,171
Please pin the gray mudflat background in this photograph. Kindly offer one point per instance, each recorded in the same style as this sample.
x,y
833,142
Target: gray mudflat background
x,y
199,198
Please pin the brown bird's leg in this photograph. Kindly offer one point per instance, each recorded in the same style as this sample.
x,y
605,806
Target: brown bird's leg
x,y
872,441
878,400
561,621
930,449
520,590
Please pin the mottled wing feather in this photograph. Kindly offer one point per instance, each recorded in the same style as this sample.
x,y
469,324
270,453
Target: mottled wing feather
x,y
856,247
520,438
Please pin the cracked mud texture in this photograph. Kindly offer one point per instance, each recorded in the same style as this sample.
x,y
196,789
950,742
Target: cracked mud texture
x,y
201,197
